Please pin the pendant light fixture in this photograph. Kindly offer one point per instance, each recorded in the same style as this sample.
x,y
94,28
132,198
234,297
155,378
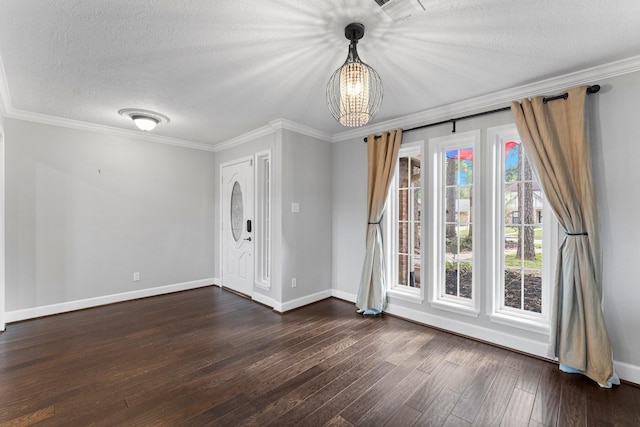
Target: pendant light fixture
x,y
354,91
144,119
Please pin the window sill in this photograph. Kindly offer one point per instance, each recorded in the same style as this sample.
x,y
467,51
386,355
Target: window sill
x,y
410,295
532,325
467,310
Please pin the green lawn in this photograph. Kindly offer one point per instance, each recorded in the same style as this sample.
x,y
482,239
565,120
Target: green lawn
x,y
511,231
510,260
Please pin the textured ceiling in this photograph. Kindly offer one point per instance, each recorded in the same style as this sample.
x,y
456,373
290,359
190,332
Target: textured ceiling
x,y
219,69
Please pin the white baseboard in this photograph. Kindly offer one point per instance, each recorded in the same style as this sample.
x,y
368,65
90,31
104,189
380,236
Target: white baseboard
x,y
290,305
462,328
48,310
217,281
627,372
344,295
471,330
263,299
300,302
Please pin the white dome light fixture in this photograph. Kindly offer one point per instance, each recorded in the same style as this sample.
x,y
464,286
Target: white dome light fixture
x,y
354,91
145,120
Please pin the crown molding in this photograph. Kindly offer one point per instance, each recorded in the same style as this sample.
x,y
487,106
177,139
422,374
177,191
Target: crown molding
x,y
271,128
109,130
498,99
244,138
301,129
7,111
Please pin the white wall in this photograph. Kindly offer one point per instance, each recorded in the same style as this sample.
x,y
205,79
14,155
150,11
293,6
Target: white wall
x,y
85,210
615,134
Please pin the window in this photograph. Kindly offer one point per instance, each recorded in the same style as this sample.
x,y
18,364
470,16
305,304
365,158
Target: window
x,y
403,227
263,220
464,223
455,200
525,247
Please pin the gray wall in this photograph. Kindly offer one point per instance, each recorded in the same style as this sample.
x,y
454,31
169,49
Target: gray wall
x,y
615,134
85,210
349,211
615,141
306,236
301,242
2,248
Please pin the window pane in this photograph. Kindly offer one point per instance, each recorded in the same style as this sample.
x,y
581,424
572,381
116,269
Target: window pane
x,y
415,171
417,204
512,288
512,151
451,278
459,279
416,271
403,237
403,267
403,205
451,205
407,222
523,204
466,242
458,227
533,291
466,279
403,168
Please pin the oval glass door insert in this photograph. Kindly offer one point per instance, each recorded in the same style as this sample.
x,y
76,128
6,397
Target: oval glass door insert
x,y
237,211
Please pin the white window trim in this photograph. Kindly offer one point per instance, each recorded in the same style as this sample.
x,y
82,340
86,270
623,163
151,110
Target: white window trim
x,y
498,313
436,199
405,293
262,249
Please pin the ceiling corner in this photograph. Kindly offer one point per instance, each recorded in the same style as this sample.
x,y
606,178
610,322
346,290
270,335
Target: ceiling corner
x,y
300,128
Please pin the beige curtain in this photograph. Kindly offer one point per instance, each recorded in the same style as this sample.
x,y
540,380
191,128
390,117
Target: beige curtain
x,y
383,155
554,137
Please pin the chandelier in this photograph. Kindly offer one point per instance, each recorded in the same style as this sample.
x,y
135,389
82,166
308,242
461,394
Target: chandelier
x,y
354,91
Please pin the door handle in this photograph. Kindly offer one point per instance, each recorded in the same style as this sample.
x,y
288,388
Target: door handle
x,y
248,239
248,226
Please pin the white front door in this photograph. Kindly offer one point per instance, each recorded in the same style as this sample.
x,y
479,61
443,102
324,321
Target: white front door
x,y
237,226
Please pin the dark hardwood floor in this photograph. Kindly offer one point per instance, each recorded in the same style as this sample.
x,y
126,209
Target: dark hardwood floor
x,y
209,357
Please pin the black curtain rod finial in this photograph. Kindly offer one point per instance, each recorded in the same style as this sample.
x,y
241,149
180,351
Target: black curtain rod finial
x,y
593,89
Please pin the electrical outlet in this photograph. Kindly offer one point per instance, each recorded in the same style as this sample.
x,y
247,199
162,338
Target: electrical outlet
x,y
136,276
294,282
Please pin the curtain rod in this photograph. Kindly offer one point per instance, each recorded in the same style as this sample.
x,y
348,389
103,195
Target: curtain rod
x,y
590,89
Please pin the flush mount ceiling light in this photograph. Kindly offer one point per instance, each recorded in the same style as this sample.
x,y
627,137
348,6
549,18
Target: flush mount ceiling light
x,y
354,91
144,119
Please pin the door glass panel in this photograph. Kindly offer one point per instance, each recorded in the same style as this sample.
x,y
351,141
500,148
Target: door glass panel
x,y
237,211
